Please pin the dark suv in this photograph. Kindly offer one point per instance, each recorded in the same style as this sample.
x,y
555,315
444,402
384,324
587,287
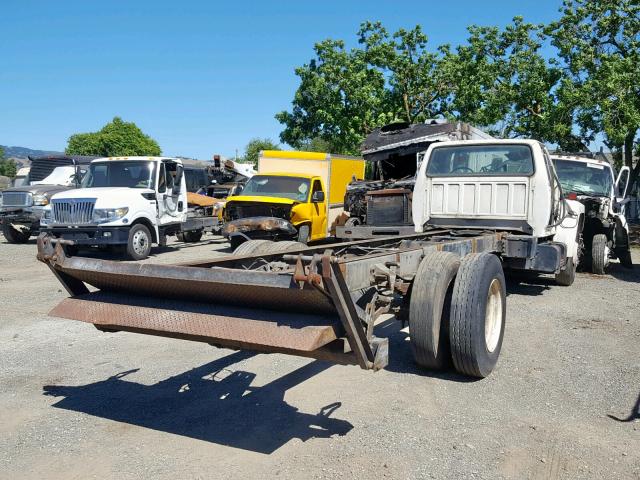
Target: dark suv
x,y
21,207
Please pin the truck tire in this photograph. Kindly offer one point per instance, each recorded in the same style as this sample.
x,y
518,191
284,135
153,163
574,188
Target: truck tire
x,y
429,309
303,234
277,247
139,242
249,247
599,254
352,222
478,313
567,275
191,237
14,235
624,255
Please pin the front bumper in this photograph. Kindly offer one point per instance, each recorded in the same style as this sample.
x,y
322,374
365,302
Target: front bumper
x,y
91,235
27,216
260,227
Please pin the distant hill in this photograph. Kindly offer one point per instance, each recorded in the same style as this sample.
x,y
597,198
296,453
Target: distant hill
x,y
23,152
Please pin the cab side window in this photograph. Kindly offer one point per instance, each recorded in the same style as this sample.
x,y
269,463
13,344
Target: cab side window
x,y
162,179
317,187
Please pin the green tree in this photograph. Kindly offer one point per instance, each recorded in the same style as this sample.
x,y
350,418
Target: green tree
x,y
317,144
501,80
599,43
8,168
340,99
255,146
498,79
117,138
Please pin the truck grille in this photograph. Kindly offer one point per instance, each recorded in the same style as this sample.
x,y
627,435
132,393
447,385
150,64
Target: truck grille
x,y
238,210
17,199
73,212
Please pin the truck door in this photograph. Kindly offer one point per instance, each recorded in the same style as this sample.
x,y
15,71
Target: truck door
x,y
318,211
169,195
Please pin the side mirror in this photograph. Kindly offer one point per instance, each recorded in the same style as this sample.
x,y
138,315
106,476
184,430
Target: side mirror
x,y
317,197
622,182
179,175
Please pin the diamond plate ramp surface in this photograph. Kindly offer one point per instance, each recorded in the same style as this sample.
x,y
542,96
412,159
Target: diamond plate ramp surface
x,y
215,285
223,325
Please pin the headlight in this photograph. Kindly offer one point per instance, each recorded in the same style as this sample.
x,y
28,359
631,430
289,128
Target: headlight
x,y
46,216
105,215
40,199
0,199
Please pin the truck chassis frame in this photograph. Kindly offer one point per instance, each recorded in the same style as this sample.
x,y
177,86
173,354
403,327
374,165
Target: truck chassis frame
x,y
315,302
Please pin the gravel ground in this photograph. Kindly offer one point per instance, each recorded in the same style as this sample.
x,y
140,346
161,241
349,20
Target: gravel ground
x,y
563,401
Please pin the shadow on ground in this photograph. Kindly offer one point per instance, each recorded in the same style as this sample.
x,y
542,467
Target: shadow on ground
x,y
213,402
633,416
619,272
401,357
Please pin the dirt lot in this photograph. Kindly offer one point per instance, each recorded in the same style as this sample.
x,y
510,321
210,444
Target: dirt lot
x,y
76,403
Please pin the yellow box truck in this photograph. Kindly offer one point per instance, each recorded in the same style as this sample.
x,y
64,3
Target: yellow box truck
x,y
295,196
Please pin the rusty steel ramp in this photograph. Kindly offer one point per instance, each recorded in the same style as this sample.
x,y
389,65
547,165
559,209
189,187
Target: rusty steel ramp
x,y
289,311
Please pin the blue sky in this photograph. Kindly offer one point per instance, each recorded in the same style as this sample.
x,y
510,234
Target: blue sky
x,y
201,77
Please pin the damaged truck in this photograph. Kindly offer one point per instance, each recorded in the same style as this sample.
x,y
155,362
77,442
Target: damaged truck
x,y
381,205
478,207
593,183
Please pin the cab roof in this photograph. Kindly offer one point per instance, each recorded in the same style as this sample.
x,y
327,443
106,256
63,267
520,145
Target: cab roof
x,y
575,158
286,174
135,158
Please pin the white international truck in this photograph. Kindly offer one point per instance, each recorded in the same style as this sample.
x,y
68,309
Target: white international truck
x,y
592,182
127,202
478,207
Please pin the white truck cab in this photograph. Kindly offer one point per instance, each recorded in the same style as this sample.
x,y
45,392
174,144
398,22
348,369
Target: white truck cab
x,y
129,201
593,182
505,185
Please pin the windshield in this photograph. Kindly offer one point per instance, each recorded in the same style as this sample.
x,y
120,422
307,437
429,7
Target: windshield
x,y
134,174
584,178
293,188
19,182
61,176
481,160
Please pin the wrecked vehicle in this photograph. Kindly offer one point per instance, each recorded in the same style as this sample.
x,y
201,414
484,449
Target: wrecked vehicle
x,y
295,196
325,301
593,183
21,207
381,205
128,204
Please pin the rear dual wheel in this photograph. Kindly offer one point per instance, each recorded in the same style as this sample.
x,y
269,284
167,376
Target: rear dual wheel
x,y
458,312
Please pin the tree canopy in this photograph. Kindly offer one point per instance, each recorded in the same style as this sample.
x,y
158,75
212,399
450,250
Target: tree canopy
x,y
599,44
253,148
567,83
8,168
116,138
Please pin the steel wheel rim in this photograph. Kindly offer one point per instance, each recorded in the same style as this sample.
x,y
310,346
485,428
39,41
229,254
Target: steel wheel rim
x,y
493,316
607,252
140,242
